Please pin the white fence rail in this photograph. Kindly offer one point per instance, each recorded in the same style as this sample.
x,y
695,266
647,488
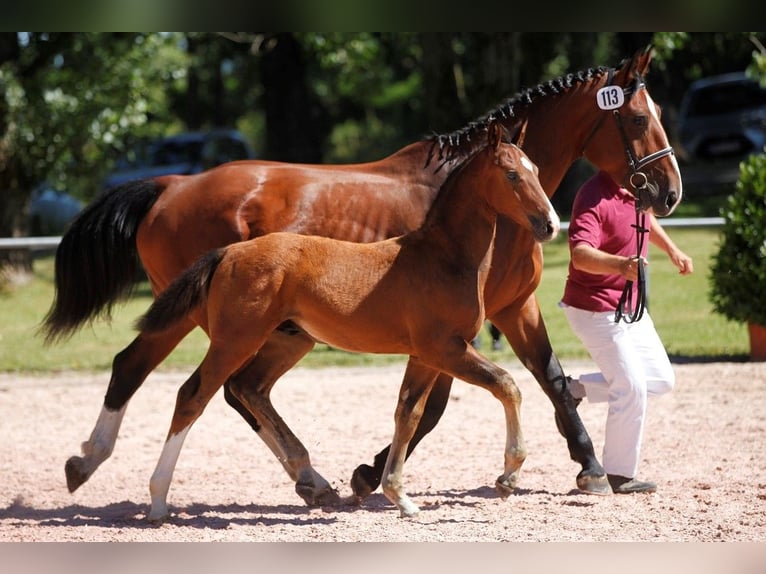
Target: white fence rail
x,y
42,243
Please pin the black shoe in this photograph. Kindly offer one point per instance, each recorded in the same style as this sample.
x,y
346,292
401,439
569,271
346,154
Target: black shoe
x,y
625,485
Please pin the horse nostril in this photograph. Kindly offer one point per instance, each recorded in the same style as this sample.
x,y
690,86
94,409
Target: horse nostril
x,y
672,198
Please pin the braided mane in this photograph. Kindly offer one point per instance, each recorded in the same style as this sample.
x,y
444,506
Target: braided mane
x,y
461,143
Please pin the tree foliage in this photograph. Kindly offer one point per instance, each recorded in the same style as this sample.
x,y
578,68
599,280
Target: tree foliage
x,y
70,103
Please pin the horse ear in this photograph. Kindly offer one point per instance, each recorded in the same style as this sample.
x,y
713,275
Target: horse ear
x,y
641,60
497,134
519,139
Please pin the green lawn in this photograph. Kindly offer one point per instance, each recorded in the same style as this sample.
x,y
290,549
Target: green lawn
x,y
679,306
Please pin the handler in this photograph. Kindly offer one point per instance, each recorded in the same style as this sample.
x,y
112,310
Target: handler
x,y
632,360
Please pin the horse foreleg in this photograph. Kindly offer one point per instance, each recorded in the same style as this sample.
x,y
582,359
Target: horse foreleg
x,y
525,329
466,363
417,383
366,478
130,368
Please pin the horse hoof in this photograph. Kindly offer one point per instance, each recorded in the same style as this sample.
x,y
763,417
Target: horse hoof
x,y
313,497
75,475
364,481
505,487
597,485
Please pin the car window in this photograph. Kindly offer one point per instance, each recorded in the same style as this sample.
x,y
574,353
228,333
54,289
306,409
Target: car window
x,y
727,98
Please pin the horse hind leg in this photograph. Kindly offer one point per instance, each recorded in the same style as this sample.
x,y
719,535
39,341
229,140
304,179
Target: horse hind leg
x,y
251,388
129,370
193,397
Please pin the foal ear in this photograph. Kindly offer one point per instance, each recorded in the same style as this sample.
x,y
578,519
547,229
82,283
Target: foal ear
x,y
497,134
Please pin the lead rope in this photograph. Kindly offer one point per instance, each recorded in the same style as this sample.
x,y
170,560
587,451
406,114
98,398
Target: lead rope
x,y
626,311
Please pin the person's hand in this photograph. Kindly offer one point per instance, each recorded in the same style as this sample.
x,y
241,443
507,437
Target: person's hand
x,y
682,261
629,267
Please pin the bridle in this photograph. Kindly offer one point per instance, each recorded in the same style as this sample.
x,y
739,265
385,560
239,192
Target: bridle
x,y
629,310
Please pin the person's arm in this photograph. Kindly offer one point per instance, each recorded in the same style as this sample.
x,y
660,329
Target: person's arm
x,y
659,238
587,258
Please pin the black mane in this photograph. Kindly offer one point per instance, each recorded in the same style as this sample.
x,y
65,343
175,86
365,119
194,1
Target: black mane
x,y
461,143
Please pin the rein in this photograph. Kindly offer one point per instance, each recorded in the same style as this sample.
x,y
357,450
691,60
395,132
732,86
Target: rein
x,y
627,310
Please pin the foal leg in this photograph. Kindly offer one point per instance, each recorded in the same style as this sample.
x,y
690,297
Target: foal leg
x,y
526,332
416,385
192,398
365,478
129,370
466,363
250,390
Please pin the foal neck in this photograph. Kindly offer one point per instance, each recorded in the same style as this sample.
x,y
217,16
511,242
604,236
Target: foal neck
x,y
461,221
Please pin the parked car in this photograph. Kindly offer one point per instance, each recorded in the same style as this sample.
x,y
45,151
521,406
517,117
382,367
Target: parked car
x,y
51,210
723,116
185,153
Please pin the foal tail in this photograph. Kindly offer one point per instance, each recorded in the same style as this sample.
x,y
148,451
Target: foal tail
x,y
183,295
97,261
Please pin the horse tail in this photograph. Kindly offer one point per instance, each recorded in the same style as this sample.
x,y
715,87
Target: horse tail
x,y
183,295
97,261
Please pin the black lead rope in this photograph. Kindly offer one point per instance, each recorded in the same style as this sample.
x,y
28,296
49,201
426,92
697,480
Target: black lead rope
x,y
627,310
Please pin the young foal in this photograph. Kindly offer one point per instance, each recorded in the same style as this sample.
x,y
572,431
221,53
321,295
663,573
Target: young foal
x,y
420,294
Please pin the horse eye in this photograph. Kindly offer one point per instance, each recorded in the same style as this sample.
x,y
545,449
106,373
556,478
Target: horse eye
x,y
641,121
512,176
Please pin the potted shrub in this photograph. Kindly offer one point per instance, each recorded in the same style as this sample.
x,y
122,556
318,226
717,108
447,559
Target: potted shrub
x,y
738,272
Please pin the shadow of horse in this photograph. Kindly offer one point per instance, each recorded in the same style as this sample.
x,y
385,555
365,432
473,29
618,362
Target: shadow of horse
x,y
128,514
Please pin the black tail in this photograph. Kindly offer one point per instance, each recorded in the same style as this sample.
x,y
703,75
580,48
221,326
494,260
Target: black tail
x,y
97,261
183,295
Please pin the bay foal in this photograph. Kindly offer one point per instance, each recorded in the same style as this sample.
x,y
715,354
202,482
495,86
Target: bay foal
x,y
419,294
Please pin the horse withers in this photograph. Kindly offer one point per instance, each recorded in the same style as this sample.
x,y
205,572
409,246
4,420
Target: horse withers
x,y
421,294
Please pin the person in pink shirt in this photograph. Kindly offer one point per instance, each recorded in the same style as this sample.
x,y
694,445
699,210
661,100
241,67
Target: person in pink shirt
x,y
631,358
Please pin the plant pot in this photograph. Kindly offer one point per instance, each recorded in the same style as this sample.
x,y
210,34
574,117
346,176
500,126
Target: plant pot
x,y
757,341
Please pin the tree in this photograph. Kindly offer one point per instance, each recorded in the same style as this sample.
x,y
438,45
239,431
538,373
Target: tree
x,y
68,101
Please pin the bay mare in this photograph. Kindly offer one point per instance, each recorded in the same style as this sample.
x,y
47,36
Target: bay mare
x,y
167,223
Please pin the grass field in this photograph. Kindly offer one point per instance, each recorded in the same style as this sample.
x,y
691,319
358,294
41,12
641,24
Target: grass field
x,y
679,306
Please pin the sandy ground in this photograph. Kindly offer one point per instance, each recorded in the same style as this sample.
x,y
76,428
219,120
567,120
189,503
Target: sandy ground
x,y
704,446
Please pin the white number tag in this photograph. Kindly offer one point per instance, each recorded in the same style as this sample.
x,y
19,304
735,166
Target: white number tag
x,y
610,98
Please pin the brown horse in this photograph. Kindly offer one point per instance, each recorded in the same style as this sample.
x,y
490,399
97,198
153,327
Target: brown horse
x,y
421,294
168,222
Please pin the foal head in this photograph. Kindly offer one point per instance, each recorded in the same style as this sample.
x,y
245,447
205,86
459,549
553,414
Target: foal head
x,y
513,188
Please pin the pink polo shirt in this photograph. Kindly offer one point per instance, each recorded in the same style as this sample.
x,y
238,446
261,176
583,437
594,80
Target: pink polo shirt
x,y
603,216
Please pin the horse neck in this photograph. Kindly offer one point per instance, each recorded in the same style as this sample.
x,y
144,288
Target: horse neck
x,y
567,118
461,221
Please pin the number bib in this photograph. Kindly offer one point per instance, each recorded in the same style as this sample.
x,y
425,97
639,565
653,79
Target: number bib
x,y
610,98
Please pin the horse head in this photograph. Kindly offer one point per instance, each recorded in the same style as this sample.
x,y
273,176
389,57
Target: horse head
x,y
631,121
514,190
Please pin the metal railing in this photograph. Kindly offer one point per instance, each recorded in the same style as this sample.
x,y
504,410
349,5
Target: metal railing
x,y
51,242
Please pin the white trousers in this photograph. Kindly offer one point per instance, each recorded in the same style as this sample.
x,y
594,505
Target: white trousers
x,y
634,366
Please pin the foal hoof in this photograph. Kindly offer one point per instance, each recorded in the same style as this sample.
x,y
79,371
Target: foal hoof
x,y
597,485
75,475
364,481
505,486
313,497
